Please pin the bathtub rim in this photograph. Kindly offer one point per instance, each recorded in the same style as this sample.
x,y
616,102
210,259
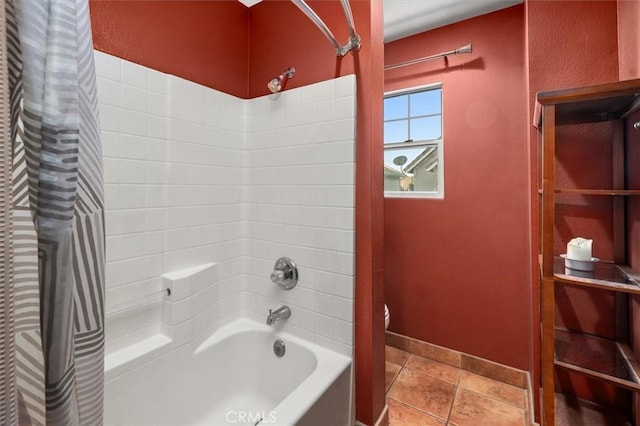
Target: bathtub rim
x,y
330,365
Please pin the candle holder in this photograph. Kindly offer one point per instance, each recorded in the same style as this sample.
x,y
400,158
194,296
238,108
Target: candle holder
x,y
579,265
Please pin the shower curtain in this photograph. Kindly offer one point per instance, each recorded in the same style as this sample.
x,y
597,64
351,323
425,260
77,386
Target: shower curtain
x,y
54,293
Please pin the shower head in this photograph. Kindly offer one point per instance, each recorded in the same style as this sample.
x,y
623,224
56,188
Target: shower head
x,y
276,83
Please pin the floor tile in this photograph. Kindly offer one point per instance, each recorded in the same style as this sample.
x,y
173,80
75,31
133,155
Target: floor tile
x,y
426,393
403,415
433,368
472,409
391,371
395,355
499,390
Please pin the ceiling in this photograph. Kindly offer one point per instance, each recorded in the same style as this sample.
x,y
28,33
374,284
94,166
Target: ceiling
x,y
403,18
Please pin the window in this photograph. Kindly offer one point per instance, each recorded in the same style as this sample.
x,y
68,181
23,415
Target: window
x,y
413,165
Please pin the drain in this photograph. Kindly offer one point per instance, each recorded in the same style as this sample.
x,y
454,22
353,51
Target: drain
x,y
279,348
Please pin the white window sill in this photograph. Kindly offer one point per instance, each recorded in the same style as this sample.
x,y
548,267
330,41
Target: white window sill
x,y
414,194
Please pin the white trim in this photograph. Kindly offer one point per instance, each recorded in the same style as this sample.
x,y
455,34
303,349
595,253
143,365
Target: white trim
x,y
392,145
439,194
434,195
409,90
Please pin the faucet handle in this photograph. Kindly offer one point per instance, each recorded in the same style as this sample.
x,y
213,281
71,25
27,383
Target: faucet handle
x,y
285,273
278,276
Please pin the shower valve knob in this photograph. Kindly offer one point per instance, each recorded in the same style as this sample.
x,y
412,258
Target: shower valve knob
x,y
277,276
285,273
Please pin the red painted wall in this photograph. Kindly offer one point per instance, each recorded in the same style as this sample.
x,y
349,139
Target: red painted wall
x,y
570,44
202,41
298,43
457,271
223,45
629,38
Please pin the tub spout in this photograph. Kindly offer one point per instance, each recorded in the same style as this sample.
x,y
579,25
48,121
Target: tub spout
x,y
281,313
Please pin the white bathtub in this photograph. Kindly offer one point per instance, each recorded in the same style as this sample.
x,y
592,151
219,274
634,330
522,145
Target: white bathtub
x,y
235,378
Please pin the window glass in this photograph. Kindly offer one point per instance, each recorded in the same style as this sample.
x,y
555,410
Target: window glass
x,y
426,128
413,160
396,131
426,103
396,107
411,169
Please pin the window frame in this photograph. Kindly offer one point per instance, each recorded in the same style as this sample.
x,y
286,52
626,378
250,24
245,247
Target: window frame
x,y
439,194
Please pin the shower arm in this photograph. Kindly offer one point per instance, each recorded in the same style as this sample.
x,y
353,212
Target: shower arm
x,y
354,39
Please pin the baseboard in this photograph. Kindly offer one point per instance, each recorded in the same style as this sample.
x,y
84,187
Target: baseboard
x,y
482,367
383,419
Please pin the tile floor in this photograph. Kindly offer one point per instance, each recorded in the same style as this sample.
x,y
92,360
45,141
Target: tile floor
x,y
424,392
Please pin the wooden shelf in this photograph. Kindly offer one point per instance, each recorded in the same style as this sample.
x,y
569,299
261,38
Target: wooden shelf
x,y
597,191
605,275
599,358
602,102
572,411
612,362
580,191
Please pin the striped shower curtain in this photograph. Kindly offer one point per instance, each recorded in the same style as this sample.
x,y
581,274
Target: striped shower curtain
x,y
52,299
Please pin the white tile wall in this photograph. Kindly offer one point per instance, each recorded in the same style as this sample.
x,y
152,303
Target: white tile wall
x,y
194,176
301,205
204,215
135,164
174,183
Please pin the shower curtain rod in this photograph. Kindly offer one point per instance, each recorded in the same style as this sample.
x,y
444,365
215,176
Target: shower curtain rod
x,y
354,38
464,49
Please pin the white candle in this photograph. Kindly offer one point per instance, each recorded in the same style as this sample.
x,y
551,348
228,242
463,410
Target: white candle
x,y
579,249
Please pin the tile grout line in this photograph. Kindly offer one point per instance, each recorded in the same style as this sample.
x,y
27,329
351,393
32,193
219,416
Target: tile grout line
x,y
496,399
433,376
455,394
446,381
446,420
501,366
486,395
458,388
393,381
395,377
417,408
525,392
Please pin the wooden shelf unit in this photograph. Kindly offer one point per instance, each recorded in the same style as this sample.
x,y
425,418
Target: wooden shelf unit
x,y
610,361
594,191
573,411
597,191
605,276
596,357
